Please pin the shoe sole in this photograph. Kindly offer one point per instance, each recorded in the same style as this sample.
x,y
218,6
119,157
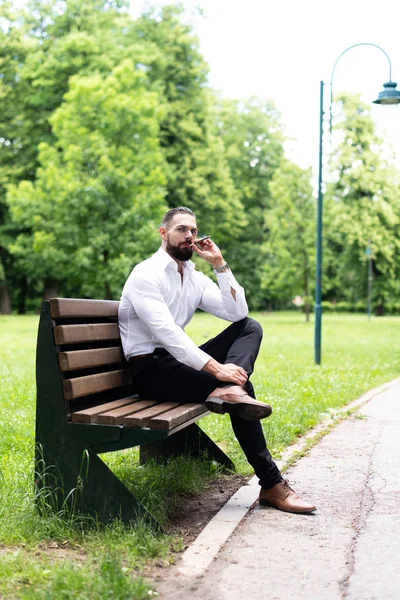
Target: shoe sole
x,y
295,512
242,410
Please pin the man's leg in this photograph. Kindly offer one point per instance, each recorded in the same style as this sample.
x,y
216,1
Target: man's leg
x,y
165,378
239,344
162,377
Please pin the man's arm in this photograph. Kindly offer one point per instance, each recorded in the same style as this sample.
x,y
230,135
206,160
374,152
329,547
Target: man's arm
x,y
227,300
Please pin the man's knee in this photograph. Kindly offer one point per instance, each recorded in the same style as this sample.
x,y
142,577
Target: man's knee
x,y
252,326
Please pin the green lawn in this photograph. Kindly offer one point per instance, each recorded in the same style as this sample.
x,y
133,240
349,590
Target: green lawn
x,y
43,557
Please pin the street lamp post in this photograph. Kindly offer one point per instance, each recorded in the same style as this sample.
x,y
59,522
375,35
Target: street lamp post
x,y
368,252
389,95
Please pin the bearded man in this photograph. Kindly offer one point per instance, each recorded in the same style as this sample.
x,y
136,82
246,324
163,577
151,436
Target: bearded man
x,y
158,300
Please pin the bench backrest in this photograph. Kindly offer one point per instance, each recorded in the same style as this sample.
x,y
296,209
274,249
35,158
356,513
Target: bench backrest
x,y
91,362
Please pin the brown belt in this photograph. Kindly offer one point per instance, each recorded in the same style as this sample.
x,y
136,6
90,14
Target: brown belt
x,y
139,357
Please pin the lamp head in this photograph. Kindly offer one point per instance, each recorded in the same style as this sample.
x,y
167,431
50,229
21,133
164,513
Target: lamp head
x,y
389,95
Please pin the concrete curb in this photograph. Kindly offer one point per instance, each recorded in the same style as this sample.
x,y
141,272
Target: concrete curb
x,y
197,558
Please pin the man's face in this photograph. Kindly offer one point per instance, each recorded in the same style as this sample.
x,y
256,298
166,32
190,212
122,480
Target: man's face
x,y
178,238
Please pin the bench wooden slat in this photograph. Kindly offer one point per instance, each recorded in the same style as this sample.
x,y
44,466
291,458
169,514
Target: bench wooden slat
x,y
144,417
117,416
93,384
76,307
94,332
177,416
84,359
88,415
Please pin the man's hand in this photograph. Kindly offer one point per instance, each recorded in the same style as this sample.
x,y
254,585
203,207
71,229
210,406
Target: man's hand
x,y
210,253
226,372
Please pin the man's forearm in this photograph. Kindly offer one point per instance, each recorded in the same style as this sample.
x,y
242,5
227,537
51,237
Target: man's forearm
x,y
212,366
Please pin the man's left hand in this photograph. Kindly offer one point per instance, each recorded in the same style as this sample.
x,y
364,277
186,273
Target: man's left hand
x,y
210,253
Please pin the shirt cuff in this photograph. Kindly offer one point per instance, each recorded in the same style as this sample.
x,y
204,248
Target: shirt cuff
x,y
197,359
226,276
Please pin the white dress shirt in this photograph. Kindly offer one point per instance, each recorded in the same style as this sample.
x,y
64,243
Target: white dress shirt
x,y
157,303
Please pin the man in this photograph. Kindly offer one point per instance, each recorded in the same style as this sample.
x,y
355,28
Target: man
x,y
158,300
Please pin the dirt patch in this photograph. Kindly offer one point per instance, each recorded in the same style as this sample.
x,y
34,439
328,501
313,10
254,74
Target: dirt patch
x,y
53,550
191,514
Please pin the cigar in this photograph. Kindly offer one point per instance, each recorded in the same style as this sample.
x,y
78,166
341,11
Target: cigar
x,y
200,241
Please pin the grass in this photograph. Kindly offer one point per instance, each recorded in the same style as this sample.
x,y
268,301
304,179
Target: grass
x,y
57,557
25,577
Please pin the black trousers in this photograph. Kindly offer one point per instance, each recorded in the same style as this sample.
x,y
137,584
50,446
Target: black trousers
x,y
161,377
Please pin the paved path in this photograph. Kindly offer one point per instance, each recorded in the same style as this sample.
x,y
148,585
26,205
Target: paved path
x,y
350,548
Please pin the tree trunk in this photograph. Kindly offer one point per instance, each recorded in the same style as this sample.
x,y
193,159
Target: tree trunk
x,y
51,289
307,311
306,290
5,299
107,291
23,289
107,288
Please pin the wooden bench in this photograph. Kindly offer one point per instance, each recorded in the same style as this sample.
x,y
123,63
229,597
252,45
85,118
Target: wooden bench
x,y
86,406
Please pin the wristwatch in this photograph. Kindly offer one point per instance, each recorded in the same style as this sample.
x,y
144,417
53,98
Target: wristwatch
x,y
221,269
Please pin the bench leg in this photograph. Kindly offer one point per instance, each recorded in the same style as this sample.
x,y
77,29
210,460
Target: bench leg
x,y
190,441
80,482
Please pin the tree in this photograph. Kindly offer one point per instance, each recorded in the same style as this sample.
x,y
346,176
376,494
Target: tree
x,y
42,46
84,37
253,139
93,210
290,247
197,175
363,206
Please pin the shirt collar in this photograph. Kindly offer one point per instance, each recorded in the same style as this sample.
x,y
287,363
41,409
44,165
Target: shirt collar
x,y
167,261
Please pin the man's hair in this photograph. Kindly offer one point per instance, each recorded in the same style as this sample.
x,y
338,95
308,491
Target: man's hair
x,y
174,211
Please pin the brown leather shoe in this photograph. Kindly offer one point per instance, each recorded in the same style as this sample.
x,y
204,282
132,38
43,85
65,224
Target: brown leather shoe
x,y
237,402
282,497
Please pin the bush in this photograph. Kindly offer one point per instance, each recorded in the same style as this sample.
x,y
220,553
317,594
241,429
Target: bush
x,y
392,308
360,306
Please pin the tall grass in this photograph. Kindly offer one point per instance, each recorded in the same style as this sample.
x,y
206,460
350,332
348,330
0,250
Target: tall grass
x,y
357,355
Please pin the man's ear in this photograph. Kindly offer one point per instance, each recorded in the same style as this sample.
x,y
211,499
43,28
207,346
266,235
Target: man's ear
x,y
163,233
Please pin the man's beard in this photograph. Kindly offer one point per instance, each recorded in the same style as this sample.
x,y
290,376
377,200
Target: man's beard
x,y
179,252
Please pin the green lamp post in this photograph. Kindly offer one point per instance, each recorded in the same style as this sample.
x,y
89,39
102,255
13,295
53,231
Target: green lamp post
x,y
389,95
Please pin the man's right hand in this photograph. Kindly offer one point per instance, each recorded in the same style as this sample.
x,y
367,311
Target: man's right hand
x,y
226,372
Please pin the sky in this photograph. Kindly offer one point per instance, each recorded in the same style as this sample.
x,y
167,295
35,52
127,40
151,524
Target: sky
x,y
281,50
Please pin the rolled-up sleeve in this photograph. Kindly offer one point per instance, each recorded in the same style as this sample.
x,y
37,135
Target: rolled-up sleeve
x,y
147,300
219,300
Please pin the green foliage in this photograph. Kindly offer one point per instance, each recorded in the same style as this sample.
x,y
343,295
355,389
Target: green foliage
x,y
362,210
253,140
290,246
43,45
94,209
81,78
198,175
